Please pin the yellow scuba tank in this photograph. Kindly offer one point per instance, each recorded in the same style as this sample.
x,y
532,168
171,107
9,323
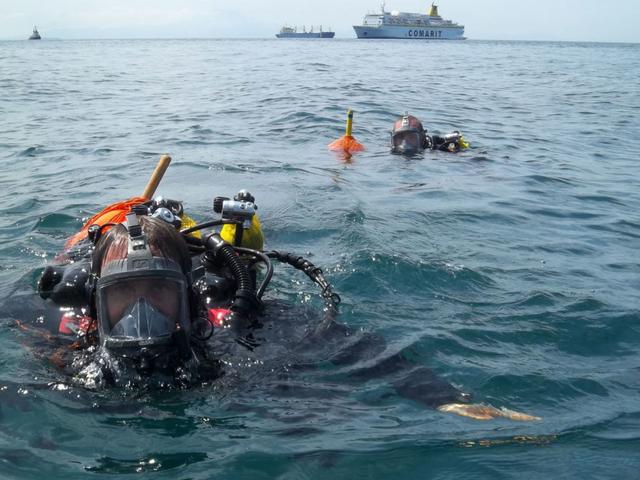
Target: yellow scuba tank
x,y
241,209
188,222
251,237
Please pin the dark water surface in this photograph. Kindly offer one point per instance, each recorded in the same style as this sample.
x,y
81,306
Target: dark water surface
x,y
512,270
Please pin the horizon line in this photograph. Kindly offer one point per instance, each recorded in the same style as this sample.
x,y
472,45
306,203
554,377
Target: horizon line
x,y
15,39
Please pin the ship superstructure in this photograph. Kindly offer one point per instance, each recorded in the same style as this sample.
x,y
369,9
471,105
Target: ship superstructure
x,y
412,26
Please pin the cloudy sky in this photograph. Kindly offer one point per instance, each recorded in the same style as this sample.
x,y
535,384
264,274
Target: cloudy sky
x,y
579,20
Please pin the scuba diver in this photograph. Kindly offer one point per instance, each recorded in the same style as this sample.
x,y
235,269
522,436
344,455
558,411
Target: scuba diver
x,y
148,291
409,137
144,296
144,292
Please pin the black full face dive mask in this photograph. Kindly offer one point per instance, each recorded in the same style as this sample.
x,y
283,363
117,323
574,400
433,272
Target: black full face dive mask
x,y
408,137
407,143
142,300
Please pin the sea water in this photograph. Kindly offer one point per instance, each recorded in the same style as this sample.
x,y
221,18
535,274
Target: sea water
x,y
511,270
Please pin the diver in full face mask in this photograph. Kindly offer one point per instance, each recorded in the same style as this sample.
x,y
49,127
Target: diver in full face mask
x,y
140,288
155,294
409,137
149,292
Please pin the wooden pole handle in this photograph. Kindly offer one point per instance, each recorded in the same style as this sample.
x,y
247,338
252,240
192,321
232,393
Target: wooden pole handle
x,y
156,177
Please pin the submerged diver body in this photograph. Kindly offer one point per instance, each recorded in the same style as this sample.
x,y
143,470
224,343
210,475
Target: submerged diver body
x,y
146,294
409,137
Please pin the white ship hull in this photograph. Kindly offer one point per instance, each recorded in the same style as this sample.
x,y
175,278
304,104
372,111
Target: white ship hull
x,y
411,33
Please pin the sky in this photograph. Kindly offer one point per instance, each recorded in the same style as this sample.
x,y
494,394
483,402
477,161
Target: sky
x,y
554,20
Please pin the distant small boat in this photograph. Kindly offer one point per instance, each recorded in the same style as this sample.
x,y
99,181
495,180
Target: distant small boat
x,y
292,32
35,35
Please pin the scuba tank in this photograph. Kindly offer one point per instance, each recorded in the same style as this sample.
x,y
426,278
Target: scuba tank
x,y
451,142
243,228
230,259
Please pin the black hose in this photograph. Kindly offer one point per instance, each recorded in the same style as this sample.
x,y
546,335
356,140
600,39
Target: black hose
x,y
201,226
195,245
332,299
193,241
245,300
266,261
215,223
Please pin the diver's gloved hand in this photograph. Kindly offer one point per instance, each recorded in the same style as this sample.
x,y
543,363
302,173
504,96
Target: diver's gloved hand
x,y
66,285
50,278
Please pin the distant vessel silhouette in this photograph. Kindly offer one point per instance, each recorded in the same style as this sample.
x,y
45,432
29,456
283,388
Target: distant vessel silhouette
x,y
292,32
35,35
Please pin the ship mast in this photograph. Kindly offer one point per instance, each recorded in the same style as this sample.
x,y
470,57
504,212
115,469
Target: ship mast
x,y
382,7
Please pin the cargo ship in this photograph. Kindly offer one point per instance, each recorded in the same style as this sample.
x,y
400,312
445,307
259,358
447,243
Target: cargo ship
x,y
292,32
412,26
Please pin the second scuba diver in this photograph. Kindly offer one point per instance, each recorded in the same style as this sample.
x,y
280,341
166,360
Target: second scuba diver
x,y
409,137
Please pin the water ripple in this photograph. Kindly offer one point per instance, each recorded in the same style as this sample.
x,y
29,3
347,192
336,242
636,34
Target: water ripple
x,y
509,271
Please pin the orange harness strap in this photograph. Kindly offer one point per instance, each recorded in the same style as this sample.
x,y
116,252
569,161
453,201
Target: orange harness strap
x,y
114,213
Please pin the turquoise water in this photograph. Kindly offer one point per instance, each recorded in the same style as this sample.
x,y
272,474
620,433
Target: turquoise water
x,y
511,271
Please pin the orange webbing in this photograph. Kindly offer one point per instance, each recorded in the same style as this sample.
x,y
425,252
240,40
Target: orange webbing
x,y
114,213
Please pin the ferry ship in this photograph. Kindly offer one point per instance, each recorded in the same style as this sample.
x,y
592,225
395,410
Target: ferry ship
x,y
292,32
412,26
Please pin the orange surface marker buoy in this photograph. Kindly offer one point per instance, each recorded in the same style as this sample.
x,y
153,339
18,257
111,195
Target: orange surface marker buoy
x,y
347,143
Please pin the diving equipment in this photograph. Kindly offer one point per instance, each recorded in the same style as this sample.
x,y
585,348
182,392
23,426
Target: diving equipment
x,y
141,300
168,216
408,136
65,285
241,225
160,310
235,210
451,142
143,319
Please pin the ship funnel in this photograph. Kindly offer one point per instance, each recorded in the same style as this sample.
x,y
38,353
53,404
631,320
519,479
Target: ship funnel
x,y
433,11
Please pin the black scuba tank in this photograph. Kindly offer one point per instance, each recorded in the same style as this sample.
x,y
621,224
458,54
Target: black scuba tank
x,y
447,143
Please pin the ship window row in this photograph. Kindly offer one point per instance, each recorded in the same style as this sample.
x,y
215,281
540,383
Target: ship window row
x,y
412,21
